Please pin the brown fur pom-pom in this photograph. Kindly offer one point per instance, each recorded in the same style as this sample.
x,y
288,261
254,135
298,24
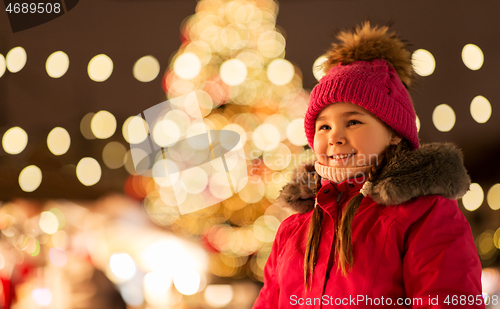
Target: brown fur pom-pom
x,y
366,43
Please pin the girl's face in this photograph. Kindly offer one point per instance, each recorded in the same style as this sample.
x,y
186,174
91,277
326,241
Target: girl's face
x,y
347,135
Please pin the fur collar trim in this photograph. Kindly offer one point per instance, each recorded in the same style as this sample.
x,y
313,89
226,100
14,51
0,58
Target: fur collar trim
x,y
435,168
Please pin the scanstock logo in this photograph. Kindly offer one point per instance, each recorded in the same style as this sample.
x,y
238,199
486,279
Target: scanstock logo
x,y
26,14
194,167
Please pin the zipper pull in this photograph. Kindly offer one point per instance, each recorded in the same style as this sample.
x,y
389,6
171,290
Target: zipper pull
x,y
339,196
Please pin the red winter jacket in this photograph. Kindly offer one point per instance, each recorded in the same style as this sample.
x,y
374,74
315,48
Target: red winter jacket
x,y
417,253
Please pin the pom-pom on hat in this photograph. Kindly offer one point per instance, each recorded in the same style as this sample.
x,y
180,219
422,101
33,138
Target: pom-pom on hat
x,y
368,68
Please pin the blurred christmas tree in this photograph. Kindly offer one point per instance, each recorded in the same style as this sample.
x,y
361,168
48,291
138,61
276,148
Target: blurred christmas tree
x,y
233,57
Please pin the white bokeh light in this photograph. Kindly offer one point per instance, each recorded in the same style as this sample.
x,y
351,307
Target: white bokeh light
x,y
472,56
57,64
58,141
122,266
187,66
443,118
146,69
30,178
280,72
480,109
100,68
423,62
14,141
473,198
16,59
233,72
88,171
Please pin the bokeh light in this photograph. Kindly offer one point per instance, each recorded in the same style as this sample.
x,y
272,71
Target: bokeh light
x,y
42,296
496,239
16,59
58,141
14,140
318,67
472,56
187,66
280,72
166,132
146,69
480,109
58,256
443,118
135,130
122,266
113,155
493,197
473,198
218,295
485,245
157,282
187,281
3,65
295,132
266,137
30,178
88,171
100,68
417,120
57,64
103,124
423,62
48,222
233,72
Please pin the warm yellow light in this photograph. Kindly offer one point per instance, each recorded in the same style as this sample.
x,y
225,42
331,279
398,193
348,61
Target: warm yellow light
x,y
187,282
266,137
187,66
3,66
496,239
122,265
318,67
103,124
135,130
418,124
218,295
48,222
423,62
146,69
157,282
474,198
280,72
443,118
233,72
100,68
472,56
88,171
113,155
57,64
16,59
493,197
14,140
295,132
480,109
30,178
166,132
58,141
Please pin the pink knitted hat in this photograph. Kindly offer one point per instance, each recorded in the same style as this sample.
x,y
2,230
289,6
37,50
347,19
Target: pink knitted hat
x,y
362,71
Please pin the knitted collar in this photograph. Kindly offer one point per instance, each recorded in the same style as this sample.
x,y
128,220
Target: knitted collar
x,y
339,174
435,168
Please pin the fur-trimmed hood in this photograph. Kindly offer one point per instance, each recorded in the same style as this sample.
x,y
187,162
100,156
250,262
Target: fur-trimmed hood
x,y
435,168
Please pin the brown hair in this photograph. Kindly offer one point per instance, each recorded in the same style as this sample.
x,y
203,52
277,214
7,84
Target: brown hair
x,y
343,244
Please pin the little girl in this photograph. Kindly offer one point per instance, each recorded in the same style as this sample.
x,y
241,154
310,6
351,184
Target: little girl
x,y
378,224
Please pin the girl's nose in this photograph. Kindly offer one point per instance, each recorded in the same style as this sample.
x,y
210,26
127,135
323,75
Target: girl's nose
x,y
336,138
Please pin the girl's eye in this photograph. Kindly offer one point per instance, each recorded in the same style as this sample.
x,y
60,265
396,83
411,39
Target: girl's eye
x,y
353,122
324,127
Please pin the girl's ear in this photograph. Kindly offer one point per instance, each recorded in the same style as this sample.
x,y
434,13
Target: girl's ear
x,y
396,138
